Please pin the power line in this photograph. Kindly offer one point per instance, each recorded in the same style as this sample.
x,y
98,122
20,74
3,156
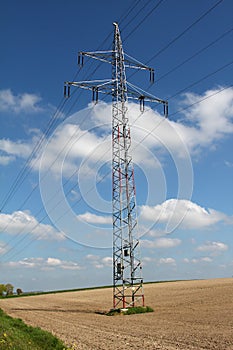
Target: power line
x,y
135,16
200,80
195,54
130,11
104,176
185,30
181,34
65,212
199,101
196,82
21,176
144,18
196,21
104,154
24,171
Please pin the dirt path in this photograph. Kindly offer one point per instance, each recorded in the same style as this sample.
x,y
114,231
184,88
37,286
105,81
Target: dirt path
x,y
188,315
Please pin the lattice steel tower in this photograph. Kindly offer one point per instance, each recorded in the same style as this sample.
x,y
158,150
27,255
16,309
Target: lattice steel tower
x,y
127,268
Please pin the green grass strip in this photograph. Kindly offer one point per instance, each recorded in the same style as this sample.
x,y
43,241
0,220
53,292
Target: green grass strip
x,y
16,335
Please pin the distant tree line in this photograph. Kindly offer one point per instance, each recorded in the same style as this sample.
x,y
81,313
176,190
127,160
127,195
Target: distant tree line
x,y
8,289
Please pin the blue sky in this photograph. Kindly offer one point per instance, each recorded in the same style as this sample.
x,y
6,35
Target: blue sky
x,y
55,203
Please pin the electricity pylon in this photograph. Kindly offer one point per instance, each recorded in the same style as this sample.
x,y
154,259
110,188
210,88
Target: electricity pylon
x,y
127,267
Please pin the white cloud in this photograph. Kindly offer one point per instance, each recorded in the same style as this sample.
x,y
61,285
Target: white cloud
x,y
15,148
162,261
228,164
148,259
95,219
107,261
213,247
213,117
167,261
183,213
27,262
45,264
205,259
99,262
152,233
194,261
208,122
161,243
11,150
67,147
53,261
25,102
205,123
2,248
5,160
23,222
92,257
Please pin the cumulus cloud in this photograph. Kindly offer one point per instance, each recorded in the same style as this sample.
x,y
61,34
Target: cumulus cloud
x,y
12,150
203,123
167,261
87,134
213,247
161,243
5,160
94,219
45,264
53,261
205,259
161,261
183,213
68,145
213,117
228,164
23,222
90,140
2,248
15,148
25,102
99,262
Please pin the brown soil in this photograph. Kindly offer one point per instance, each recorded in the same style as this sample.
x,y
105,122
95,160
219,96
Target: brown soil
x,y
188,315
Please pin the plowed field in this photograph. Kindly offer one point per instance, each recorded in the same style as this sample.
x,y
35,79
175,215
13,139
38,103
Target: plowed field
x,y
188,315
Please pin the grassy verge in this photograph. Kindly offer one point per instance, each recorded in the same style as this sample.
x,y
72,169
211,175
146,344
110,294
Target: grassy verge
x,y
16,335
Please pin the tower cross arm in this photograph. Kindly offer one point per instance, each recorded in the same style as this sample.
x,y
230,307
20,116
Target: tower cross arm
x,y
104,56
131,62
104,86
135,93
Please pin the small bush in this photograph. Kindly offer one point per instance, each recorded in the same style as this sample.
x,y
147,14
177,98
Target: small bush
x,y
138,310
130,311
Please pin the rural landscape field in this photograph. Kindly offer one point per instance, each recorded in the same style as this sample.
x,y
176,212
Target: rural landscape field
x,y
187,315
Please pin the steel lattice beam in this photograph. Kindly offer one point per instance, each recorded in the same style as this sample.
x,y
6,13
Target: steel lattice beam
x,y
127,278
127,268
